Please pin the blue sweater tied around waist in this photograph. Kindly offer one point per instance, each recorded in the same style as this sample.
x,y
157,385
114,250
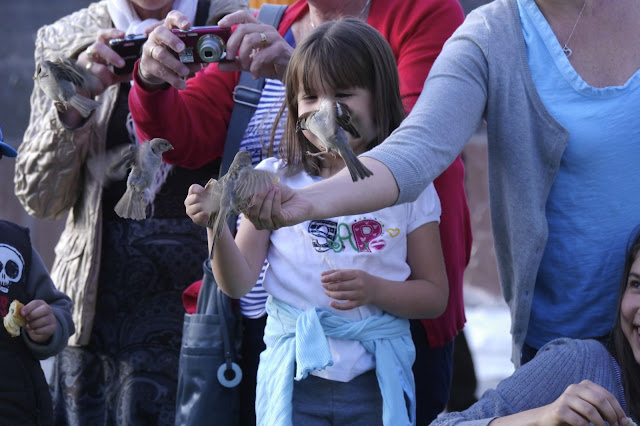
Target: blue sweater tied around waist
x,y
295,337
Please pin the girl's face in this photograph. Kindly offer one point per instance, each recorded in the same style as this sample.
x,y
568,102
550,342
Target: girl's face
x,y
630,310
359,101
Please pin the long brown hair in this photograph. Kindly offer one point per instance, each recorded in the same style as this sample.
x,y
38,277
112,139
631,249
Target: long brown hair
x,y
340,54
621,349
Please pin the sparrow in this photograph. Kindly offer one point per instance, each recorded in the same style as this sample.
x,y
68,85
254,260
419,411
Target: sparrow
x,y
233,192
329,124
146,161
59,81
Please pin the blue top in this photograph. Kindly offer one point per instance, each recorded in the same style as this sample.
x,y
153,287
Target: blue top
x,y
586,209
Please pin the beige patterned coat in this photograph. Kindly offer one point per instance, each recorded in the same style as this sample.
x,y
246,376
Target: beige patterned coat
x,y
51,177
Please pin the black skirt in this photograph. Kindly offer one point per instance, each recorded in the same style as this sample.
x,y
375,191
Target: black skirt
x,y
128,373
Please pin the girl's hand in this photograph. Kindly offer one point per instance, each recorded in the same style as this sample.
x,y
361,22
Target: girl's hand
x,y
254,47
582,404
198,205
41,322
158,64
353,285
279,206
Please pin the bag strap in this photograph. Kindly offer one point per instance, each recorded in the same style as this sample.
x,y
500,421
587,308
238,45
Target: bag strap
x,y
246,94
202,12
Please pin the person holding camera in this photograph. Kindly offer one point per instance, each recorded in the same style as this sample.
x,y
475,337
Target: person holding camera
x,y
125,277
194,114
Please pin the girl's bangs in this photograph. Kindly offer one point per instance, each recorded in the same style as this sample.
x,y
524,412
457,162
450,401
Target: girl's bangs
x,y
337,65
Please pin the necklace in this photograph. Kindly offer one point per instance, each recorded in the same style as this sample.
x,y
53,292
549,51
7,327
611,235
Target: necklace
x,y
567,51
366,5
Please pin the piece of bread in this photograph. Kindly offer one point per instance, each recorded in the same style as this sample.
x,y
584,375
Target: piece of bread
x,y
14,320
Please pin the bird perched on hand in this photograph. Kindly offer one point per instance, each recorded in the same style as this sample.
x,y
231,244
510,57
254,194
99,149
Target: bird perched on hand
x,y
145,162
233,192
329,124
59,81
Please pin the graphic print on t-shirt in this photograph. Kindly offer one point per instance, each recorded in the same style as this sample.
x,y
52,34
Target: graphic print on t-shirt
x,y
363,235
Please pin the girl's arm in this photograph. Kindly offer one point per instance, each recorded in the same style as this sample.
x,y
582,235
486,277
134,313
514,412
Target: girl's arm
x,y
424,295
236,264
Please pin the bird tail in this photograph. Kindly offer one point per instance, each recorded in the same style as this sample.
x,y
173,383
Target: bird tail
x,y
131,205
83,105
355,166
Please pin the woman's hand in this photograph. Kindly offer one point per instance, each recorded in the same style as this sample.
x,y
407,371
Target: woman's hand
x,y
580,404
279,206
41,322
351,287
96,59
198,205
254,47
158,63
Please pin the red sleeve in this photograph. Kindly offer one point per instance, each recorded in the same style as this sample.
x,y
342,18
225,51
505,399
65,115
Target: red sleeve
x,y
194,120
416,31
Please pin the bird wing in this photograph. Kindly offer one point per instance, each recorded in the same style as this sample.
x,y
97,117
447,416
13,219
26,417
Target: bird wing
x,y
251,181
65,69
345,119
214,189
113,164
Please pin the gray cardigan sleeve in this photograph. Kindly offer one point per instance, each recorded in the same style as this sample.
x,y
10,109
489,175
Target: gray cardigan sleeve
x,y
541,381
446,115
42,288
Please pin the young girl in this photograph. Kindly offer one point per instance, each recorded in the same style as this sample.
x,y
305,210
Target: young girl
x,y
340,288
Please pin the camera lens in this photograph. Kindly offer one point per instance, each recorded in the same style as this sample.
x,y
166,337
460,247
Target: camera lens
x,y
211,48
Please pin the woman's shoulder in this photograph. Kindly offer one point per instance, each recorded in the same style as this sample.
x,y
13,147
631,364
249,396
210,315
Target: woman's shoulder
x,y
73,32
587,352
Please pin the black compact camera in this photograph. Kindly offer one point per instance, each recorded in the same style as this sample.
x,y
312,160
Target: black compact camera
x,y
203,44
130,48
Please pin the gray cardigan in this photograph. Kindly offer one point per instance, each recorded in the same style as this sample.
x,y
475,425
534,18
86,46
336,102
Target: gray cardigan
x,y
483,72
541,381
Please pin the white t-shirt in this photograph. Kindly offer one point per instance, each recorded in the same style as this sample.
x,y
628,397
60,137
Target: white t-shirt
x,y
374,242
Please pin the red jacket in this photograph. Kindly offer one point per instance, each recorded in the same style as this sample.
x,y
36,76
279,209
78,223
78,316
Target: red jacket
x,y
195,121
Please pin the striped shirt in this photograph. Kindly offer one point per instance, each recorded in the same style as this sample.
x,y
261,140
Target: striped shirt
x,y
256,140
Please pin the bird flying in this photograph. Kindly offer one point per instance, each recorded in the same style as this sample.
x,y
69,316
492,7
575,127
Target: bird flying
x,y
145,163
60,79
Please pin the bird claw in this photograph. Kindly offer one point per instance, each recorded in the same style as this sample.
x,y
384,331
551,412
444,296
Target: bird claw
x,y
61,107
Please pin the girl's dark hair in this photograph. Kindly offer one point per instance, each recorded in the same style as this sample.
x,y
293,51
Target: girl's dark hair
x,y
621,349
341,54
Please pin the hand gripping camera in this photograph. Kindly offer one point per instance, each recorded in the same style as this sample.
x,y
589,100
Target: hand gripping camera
x,y
130,48
203,44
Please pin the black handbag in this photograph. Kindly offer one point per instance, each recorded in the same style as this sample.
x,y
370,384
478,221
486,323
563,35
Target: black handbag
x,y
209,374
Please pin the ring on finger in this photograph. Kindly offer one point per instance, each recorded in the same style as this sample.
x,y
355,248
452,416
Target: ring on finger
x,y
90,52
151,51
88,66
263,40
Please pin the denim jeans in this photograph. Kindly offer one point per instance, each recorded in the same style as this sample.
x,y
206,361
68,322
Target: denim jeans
x,y
318,401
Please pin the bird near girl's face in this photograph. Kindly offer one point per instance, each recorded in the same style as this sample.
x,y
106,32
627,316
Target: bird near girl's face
x,y
630,310
359,102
